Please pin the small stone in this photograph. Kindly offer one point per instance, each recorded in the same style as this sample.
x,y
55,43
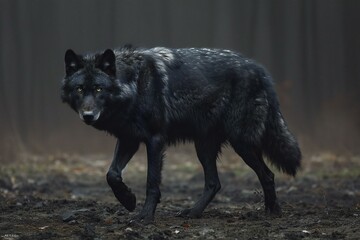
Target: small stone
x,y
68,216
72,222
128,229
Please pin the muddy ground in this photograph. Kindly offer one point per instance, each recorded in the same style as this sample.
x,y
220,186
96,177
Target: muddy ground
x,y
67,197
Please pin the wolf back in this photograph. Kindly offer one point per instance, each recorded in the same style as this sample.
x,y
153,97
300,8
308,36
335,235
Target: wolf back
x,y
161,96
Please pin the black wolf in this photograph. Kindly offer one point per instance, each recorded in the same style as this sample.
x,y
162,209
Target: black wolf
x,y
160,96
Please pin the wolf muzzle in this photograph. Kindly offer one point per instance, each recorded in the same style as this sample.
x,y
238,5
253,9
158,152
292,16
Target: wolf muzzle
x,y
89,116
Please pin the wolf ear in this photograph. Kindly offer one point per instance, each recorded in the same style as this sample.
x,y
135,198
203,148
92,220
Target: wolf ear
x,y
72,62
106,62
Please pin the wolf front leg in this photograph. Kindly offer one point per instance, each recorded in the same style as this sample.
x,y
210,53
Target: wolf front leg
x,y
124,151
155,149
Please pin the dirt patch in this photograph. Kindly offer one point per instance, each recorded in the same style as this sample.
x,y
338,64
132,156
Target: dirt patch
x,y
67,197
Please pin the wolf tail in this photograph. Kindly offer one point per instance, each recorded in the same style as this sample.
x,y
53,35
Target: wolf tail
x,y
279,145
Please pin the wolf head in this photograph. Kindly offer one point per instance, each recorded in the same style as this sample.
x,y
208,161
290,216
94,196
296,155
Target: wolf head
x,y
87,81
91,84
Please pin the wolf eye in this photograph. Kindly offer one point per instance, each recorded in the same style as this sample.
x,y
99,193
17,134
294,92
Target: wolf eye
x,y
98,89
79,89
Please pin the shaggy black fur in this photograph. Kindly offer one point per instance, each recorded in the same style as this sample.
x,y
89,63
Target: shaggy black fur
x,y
160,96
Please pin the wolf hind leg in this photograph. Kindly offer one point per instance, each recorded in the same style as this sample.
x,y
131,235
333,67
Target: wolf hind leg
x,y
207,152
252,156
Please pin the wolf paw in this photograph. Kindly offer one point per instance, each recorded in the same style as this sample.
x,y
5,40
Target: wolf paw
x,y
274,210
125,197
142,219
121,191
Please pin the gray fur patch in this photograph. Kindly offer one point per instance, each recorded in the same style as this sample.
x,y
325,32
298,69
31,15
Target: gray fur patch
x,y
163,57
163,53
127,90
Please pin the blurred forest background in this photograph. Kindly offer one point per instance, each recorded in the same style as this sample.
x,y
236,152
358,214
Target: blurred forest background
x,y
312,49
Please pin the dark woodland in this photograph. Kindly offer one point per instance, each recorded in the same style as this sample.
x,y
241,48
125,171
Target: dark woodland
x,y
53,166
